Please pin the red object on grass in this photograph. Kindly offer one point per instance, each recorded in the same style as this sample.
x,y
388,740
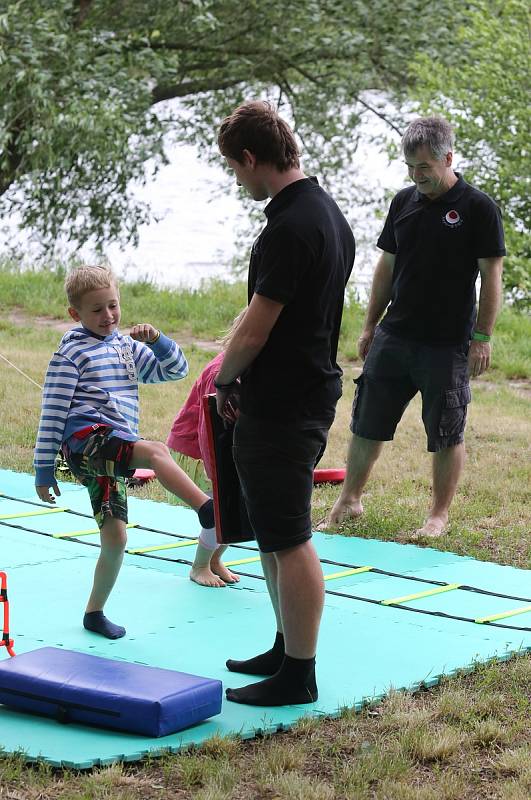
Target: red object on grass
x,y
329,475
144,474
319,475
5,640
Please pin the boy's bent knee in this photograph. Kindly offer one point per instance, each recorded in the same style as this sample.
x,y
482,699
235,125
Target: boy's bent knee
x,y
149,453
158,450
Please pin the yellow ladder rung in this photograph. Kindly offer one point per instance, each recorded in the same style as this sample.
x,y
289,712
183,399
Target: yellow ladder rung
x,y
512,613
346,572
241,561
138,550
87,532
428,593
34,513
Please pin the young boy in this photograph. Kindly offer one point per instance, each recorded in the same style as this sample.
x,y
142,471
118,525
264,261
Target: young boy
x,y
90,411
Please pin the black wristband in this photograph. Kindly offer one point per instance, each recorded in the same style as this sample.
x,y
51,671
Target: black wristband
x,y
223,386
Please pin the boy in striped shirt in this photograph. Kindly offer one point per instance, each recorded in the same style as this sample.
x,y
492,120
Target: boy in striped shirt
x,y
90,412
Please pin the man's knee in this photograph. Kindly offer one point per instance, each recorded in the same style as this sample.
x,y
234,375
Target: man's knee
x,y
292,550
371,446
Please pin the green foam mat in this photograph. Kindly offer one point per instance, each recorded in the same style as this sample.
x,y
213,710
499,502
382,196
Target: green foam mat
x,y
365,648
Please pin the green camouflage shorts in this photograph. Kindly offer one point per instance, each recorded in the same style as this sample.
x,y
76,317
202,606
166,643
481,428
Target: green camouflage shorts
x,y
108,497
102,467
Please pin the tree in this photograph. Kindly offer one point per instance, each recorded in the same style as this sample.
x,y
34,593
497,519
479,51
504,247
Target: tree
x,y
83,81
484,90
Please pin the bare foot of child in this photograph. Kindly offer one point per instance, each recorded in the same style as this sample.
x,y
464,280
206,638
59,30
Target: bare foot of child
x,y
205,577
225,574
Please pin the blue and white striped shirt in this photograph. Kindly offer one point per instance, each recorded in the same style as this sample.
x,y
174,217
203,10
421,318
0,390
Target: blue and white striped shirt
x,y
95,380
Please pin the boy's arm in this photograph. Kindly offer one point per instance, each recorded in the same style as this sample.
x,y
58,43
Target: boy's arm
x,y
157,358
59,387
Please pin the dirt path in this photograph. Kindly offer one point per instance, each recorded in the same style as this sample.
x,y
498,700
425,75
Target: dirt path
x,y
18,317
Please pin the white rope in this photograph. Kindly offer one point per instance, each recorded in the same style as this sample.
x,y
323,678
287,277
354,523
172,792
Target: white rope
x,y
19,370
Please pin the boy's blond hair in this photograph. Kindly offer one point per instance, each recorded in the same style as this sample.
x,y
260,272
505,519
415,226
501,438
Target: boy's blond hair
x,y
81,280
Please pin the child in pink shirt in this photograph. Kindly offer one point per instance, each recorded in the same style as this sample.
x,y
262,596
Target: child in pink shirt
x,y
188,437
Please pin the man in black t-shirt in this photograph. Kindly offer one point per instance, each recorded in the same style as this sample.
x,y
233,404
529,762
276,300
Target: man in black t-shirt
x,y
438,236
284,352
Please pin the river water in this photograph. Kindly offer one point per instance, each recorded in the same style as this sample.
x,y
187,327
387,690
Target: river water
x,y
197,210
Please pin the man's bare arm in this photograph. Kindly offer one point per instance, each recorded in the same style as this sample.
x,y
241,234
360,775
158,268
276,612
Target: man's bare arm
x,y
379,300
490,297
249,338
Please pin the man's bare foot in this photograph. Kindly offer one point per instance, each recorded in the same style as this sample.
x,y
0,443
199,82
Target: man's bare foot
x,y
205,577
432,528
218,568
342,510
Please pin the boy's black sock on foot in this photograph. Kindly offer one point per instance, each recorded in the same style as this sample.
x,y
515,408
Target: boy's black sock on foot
x,y
293,684
206,514
264,664
97,622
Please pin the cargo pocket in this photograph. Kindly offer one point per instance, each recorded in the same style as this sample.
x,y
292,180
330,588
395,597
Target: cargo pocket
x,y
454,411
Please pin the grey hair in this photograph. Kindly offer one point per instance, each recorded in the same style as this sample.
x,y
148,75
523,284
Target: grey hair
x,y
435,132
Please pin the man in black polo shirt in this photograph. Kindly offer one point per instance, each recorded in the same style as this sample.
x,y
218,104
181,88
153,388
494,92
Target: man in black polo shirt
x,y
438,236
284,352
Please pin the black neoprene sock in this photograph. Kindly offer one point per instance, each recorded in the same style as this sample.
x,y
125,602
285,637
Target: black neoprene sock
x,y
293,684
264,664
97,622
206,514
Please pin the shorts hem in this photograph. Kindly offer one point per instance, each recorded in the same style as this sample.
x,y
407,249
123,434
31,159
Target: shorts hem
x,y
121,517
450,441
387,438
285,545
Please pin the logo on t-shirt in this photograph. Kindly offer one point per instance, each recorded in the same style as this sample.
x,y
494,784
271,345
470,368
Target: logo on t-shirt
x,y
452,219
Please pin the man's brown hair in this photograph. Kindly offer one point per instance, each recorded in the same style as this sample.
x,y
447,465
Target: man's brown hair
x,y
257,127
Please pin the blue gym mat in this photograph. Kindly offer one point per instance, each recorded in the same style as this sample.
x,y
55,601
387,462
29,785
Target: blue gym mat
x,y
366,647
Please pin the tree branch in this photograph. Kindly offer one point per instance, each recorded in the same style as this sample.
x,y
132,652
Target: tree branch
x,y
379,114
81,10
160,93
356,97
14,160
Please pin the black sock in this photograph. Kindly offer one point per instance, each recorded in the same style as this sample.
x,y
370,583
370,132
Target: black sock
x,y
206,514
97,622
293,684
264,664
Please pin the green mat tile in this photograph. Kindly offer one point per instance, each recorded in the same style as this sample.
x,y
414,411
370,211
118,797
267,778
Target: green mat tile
x,y
365,649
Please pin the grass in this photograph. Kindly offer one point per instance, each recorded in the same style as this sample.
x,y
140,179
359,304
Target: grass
x,y
467,739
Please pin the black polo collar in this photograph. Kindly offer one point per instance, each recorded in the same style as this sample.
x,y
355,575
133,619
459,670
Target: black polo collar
x,y
450,196
288,192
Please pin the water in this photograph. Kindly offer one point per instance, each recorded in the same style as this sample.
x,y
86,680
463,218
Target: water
x,y
196,209
194,237
200,210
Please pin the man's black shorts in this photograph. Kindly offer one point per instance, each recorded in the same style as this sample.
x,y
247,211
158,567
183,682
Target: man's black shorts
x,y
275,465
394,371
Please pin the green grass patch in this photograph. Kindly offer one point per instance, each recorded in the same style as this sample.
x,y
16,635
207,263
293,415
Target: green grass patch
x,y
467,739
207,312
